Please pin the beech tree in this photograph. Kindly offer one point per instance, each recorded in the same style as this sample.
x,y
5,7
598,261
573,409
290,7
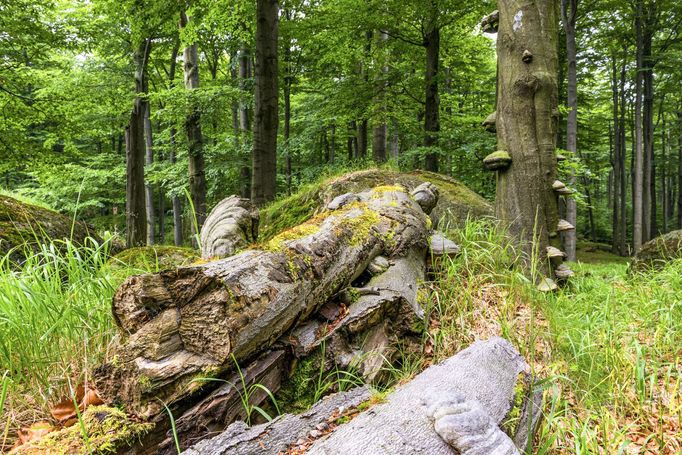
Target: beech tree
x,y
266,120
526,120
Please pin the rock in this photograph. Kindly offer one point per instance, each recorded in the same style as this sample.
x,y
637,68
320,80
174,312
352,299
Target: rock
x,y
342,200
455,204
497,161
439,245
31,225
232,225
658,252
378,265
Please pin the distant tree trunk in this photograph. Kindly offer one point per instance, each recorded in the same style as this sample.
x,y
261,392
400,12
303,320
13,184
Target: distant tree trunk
x,y
264,157
679,170
245,114
647,69
615,160
431,108
380,129
638,186
136,216
569,14
197,178
177,206
332,148
395,140
149,160
623,174
526,120
362,138
288,80
664,183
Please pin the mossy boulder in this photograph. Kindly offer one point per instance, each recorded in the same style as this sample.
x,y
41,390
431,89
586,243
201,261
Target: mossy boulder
x,y
456,202
24,227
152,258
659,251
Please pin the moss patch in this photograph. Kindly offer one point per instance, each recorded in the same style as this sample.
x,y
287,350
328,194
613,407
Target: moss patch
x,y
456,202
108,429
297,393
23,227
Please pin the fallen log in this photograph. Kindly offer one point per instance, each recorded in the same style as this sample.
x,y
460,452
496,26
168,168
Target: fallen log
x,y
196,322
463,403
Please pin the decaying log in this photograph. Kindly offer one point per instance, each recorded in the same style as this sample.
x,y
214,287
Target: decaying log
x,y
197,321
284,433
483,384
232,225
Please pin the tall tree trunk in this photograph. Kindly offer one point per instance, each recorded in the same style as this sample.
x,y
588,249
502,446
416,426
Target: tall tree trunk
x,y
649,183
332,147
432,106
197,177
526,120
679,169
149,160
615,161
245,74
288,80
638,183
569,13
264,157
136,215
623,174
664,183
177,205
380,129
362,138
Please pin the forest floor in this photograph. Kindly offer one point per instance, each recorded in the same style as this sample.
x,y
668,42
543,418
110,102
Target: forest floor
x,y
607,347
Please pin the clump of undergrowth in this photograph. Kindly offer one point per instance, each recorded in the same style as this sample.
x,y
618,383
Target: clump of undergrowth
x,y
100,429
56,324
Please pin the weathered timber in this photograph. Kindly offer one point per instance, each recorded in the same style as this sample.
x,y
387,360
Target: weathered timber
x,y
223,406
284,433
196,321
488,380
231,226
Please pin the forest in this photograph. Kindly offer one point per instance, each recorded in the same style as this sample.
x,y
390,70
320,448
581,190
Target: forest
x,y
215,213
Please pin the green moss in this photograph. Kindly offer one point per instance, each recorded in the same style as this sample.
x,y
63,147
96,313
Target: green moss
x,y
297,393
360,226
521,391
277,244
108,429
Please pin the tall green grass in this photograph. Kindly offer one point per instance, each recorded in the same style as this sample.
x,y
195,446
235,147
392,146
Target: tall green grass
x,y
55,323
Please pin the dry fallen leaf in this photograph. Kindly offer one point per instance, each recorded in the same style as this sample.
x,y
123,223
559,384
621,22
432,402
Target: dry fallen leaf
x,y
65,411
36,431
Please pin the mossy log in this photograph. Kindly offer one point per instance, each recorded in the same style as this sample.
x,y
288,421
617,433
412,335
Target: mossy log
x,y
479,401
197,321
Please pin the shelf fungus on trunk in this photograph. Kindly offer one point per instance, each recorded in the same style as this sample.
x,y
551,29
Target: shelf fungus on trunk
x,y
560,188
497,161
560,157
564,226
490,23
555,255
563,272
489,124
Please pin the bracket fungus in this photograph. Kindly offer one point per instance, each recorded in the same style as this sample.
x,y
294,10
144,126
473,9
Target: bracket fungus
x,y
497,161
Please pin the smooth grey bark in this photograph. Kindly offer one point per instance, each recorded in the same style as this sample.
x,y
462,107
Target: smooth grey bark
x,y
266,117
432,101
177,205
149,160
288,82
136,215
526,121
195,139
379,135
638,174
569,16
244,114
679,169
